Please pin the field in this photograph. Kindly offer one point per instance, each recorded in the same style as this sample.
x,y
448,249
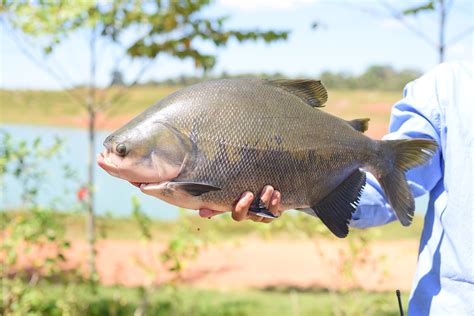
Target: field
x,y
240,268
290,267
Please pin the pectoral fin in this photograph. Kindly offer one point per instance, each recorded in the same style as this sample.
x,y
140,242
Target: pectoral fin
x,y
193,188
336,209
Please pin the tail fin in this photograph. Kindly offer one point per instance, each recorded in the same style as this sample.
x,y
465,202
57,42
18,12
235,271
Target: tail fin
x,y
404,155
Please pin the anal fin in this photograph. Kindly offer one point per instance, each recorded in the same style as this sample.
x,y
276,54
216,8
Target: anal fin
x,y
336,209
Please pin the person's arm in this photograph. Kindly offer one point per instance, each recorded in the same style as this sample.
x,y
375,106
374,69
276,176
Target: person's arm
x,y
415,116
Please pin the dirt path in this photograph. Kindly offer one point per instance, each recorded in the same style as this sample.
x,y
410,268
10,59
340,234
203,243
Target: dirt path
x,y
257,263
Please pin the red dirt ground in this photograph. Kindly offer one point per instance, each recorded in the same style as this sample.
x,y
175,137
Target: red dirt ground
x,y
255,263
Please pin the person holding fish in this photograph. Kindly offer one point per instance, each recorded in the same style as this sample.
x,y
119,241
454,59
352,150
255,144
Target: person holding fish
x,y
437,106
205,145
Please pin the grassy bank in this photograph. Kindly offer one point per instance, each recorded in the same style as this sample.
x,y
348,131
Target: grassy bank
x,y
53,107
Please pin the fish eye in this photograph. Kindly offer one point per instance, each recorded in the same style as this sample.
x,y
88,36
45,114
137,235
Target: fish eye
x,y
121,149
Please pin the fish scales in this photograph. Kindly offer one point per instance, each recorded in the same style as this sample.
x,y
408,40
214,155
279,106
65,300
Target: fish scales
x,y
267,146
205,145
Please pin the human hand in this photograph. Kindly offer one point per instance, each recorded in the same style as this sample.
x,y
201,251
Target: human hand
x,y
270,197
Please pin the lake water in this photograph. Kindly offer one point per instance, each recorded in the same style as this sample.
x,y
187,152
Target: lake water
x,y
112,195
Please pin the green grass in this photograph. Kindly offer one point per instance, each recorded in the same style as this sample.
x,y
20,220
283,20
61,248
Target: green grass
x,y
81,300
54,107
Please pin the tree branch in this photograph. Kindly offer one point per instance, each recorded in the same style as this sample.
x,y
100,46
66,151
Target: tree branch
x,y
401,18
460,35
393,13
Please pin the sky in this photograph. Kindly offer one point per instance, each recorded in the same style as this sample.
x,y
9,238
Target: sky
x,y
350,40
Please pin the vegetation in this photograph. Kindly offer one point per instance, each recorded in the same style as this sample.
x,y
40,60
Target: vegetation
x,y
37,229
376,77
222,226
76,299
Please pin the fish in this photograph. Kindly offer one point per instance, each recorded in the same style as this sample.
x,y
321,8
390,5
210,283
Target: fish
x,y
206,144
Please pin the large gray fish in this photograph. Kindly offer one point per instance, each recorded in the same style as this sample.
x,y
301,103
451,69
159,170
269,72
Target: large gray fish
x,y
206,144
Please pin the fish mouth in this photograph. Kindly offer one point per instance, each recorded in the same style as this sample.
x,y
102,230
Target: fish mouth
x,y
105,162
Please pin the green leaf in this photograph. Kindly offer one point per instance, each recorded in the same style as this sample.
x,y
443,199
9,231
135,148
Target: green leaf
x,y
429,6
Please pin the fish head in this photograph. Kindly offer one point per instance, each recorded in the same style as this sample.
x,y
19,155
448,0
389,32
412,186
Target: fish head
x,y
145,152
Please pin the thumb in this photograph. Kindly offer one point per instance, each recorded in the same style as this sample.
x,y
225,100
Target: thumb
x,y
204,212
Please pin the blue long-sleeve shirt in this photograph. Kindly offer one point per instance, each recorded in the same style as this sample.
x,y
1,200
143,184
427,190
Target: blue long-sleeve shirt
x,y
438,106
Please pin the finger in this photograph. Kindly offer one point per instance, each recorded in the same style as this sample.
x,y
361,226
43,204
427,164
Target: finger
x,y
266,195
274,205
241,209
255,218
204,212
267,220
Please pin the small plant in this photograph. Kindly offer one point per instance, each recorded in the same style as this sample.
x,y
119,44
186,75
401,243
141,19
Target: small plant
x,y
32,248
182,247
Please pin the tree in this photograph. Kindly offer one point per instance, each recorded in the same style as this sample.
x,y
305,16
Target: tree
x,y
174,27
117,78
441,8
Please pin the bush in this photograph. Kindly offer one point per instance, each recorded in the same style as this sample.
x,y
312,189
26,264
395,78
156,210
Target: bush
x,y
32,231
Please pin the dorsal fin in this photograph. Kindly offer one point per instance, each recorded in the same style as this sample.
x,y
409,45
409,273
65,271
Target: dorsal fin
x,y
311,92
